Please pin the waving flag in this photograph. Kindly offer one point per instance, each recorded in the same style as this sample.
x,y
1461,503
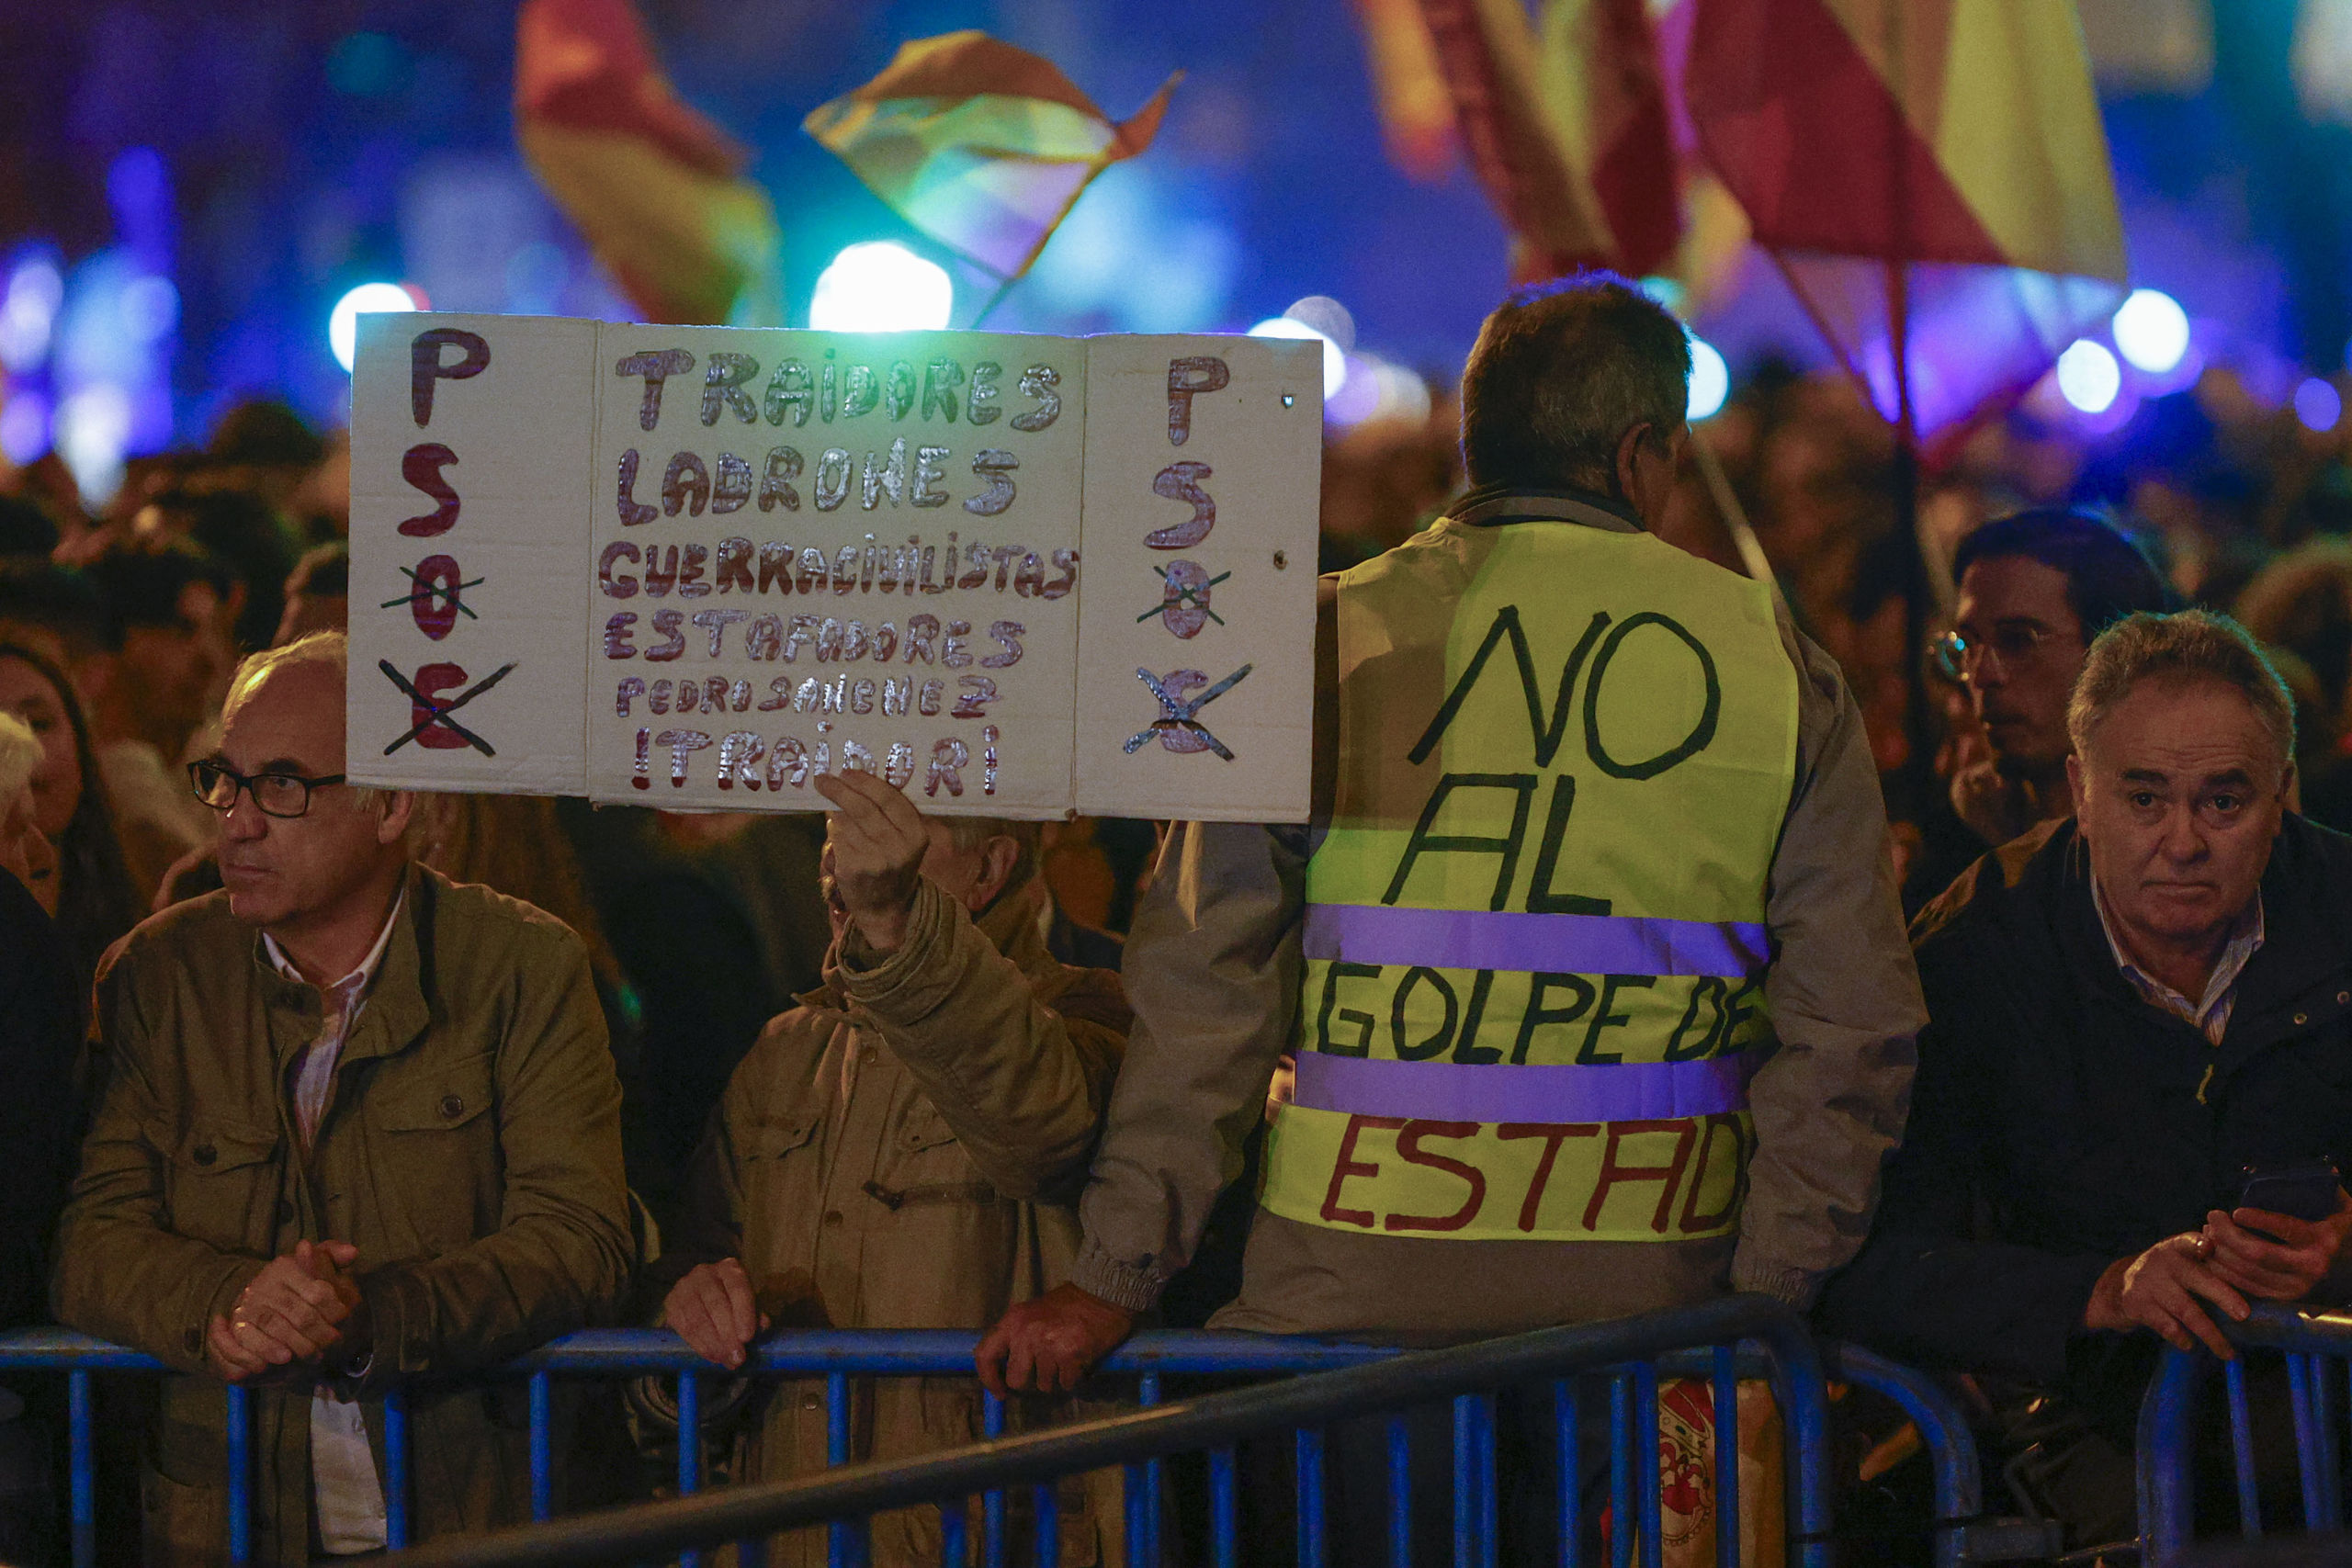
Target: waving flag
x,y
980,145
1931,176
1566,128
652,184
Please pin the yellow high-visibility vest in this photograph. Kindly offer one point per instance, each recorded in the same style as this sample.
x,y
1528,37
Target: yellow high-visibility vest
x,y
1534,931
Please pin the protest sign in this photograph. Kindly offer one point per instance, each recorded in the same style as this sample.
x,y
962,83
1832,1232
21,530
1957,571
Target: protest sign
x,y
700,568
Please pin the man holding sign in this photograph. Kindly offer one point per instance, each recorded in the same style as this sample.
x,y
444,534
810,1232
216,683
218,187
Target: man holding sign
x,y
1591,955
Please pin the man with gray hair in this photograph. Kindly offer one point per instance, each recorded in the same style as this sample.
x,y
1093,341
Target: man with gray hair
x,y
1589,957
359,1126
2136,1093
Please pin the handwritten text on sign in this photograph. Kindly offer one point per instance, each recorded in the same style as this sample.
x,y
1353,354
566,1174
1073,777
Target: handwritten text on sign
x,y
992,569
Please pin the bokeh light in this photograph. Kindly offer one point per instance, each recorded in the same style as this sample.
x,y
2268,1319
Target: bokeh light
x,y
342,326
2151,331
1710,381
1335,358
24,426
878,285
29,312
2319,405
2089,377
92,431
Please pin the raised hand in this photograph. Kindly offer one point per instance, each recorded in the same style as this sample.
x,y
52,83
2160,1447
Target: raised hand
x,y
875,845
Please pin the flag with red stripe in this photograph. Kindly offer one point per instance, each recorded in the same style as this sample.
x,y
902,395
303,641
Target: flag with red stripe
x,y
653,185
982,146
1931,176
1565,119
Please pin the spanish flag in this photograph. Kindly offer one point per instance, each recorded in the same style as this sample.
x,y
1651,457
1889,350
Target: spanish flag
x,y
982,146
1565,118
652,184
1931,176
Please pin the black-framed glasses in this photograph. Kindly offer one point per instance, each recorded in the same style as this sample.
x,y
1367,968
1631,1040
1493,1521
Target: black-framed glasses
x,y
277,795
1958,657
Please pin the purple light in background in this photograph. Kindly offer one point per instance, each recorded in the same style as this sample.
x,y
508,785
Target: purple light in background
x,y
29,312
2319,405
24,426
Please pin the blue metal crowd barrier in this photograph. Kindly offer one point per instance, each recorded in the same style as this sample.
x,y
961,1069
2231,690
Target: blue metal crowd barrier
x,y
2317,1350
1632,1354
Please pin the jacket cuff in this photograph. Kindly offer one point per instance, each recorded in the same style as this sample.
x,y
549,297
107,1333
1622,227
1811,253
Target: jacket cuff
x,y
1797,1287
193,1356
876,980
1121,1284
394,1344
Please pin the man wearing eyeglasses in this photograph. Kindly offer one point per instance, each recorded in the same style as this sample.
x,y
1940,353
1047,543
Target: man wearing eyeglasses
x,y
2035,589
360,1125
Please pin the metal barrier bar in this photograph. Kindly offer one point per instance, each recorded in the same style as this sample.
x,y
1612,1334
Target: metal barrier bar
x,y
1308,1450
82,1470
1147,1395
689,1448
1646,1466
542,1447
992,1504
1725,1381
1225,1507
2169,1423
240,1435
1943,1428
2300,1370
2242,1449
841,1544
397,1454
1621,1471
1466,1464
1651,1347
1567,1415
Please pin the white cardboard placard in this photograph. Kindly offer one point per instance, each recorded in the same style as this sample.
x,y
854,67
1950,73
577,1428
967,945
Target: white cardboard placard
x,y
1194,453
713,564
491,600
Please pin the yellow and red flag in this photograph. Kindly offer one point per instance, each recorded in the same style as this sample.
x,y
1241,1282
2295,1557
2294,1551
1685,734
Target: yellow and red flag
x,y
653,185
1930,175
1409,88
982,146
1565,118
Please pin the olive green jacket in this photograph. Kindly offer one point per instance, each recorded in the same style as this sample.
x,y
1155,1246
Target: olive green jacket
x,y
469,1149
904,1150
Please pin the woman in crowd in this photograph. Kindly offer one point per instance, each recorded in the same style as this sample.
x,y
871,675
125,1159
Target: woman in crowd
x,y
96,901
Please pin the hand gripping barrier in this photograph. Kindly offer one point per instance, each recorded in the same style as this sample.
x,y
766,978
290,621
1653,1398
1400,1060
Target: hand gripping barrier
x,y
1620,1361
2317,1349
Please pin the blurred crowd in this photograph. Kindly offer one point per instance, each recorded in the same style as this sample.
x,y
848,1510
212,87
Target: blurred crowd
x,y
708,936
2239,506
119,628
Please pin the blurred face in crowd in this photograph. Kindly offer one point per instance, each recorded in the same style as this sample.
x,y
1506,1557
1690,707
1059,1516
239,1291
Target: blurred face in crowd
x,y
2180,793
25,853
166,677
307,613
287,872
972,877
2025,647
57,783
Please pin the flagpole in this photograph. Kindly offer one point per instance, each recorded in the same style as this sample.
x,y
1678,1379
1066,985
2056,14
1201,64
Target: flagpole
x,y
995,299
1918,722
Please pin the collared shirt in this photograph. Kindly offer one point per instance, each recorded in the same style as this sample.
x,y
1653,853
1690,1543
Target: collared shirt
x,y
350,1496
2209,1014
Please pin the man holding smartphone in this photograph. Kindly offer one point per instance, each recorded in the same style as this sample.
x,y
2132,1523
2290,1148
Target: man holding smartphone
x,y
2136,1089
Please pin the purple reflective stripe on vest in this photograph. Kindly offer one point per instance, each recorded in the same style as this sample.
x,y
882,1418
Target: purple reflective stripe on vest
x,y
1445,1091
1561,944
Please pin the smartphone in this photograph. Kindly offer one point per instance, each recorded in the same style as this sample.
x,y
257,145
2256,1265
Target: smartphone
x,y
2305,1189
